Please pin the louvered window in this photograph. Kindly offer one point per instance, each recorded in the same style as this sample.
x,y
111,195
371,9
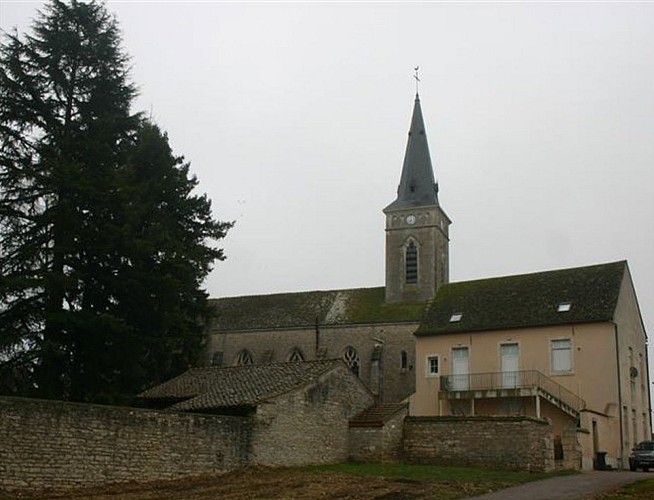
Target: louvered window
x,y
411,272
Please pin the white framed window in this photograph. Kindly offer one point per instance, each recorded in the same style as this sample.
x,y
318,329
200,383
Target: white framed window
x,y
561,355
433,365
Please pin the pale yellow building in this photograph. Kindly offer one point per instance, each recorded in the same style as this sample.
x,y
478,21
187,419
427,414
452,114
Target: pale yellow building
x,y
566,345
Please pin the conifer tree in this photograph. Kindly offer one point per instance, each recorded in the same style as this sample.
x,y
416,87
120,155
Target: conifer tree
x,y
92,203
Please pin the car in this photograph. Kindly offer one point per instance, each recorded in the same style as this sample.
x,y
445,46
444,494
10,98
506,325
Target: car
x,y
642,456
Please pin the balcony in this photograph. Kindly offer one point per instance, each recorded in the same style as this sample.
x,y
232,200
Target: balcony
x,y
524,383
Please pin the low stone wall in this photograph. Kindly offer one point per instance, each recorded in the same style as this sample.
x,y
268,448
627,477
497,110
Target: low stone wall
x,y
503,442
377,443
53,444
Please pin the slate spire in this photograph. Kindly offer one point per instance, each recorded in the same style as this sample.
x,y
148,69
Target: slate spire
x,y
417,186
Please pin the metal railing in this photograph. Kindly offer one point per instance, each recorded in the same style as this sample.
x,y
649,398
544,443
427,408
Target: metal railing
x,y
524,379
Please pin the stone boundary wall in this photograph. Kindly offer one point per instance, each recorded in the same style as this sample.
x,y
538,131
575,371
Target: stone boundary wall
x,y
54,444
505,442
378,443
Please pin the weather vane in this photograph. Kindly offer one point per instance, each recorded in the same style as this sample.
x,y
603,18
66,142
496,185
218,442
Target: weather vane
x,y
415,75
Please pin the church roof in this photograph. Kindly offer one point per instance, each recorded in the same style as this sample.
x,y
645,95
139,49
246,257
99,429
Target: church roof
x,y
305,309
417,186
238,386
564,296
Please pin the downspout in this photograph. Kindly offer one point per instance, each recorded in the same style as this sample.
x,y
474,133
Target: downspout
x,y
317,324
620,412
649,393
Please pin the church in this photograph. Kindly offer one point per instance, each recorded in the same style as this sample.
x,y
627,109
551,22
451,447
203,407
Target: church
x,y
371,329
565,346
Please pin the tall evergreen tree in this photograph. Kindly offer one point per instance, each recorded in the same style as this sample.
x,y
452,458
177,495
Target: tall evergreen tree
x,y
84,186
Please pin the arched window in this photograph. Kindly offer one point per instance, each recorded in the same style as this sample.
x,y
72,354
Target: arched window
x,y
351,358
295,355
411,263
244,358
404,361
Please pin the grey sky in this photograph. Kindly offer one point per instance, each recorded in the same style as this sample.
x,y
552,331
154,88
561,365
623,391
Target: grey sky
x,y
540,119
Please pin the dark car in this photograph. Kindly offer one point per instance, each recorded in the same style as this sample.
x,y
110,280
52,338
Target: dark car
x,y
642,456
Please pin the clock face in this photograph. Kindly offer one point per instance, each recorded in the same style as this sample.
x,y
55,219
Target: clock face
x,y
411,219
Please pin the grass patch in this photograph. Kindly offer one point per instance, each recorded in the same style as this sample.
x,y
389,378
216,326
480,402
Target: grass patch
x,y
490,479
642,490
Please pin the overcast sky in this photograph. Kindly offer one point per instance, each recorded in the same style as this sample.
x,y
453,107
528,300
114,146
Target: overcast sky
x,y
294,116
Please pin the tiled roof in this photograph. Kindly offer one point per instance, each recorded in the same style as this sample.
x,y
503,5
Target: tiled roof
x,y
333,307
526,300
376,415
237,386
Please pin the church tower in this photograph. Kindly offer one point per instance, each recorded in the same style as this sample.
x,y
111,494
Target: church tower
x,y
417,228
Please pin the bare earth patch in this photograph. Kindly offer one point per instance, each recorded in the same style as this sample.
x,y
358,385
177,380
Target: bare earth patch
x,y
262,483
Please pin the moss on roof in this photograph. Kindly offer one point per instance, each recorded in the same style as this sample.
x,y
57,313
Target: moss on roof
x,y
303,309
526,300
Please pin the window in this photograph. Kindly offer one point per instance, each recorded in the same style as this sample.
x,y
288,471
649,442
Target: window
x,y
217,358
404,361
564,307
456,317
295,355
432,365
411,262
351,358
561,355
244,358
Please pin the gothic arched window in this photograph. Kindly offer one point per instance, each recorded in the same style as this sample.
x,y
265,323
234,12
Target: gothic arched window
x,y
295,355
244,358
404,361
411,263
351,358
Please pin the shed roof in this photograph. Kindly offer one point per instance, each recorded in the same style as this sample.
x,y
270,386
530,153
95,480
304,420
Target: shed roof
x,y
306,309
526,300
238,386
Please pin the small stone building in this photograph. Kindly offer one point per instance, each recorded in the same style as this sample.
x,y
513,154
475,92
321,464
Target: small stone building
x,y
298,412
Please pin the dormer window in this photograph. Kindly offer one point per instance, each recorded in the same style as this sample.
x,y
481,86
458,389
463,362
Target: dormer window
x,y
564,307
456,317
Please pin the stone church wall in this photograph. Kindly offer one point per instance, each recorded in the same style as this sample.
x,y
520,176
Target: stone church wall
x,y
53,444
505,442
380,362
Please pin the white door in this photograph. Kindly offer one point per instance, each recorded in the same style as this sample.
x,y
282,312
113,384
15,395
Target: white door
x,y
460,369
510,360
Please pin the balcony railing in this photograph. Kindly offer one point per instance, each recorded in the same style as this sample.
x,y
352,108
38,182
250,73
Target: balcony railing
x,y
524,379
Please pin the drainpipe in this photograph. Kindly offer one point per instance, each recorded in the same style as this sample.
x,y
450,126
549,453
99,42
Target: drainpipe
x,y
317,336
649,394
620,412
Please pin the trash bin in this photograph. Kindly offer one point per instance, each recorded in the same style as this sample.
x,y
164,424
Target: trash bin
x,y
600,460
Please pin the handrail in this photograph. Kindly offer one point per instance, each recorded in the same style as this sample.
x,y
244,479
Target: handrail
x,y
512,380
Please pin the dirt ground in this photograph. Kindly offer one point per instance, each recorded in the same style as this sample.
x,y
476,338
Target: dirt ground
x,y
262,483
267,484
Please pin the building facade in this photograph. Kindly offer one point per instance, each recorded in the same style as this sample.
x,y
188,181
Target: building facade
x,y
566,345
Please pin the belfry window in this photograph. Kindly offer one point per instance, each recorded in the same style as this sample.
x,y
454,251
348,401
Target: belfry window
x,y
351,358
411,262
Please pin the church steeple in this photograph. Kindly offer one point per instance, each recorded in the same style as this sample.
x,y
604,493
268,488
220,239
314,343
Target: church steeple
x,y
417,228
417,186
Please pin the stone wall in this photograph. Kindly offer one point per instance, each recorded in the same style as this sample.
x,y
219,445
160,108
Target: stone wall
x,y
46,444
505,442
387,379
309,426
377,443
